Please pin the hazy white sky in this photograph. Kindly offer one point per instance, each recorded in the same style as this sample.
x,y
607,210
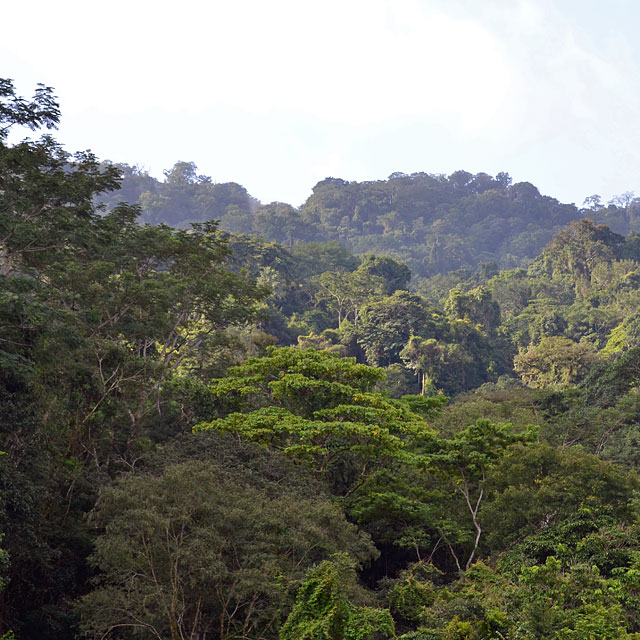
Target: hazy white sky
x,y
278,95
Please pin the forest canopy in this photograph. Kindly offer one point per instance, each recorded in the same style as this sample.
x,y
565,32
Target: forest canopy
x,y
434,223
407,409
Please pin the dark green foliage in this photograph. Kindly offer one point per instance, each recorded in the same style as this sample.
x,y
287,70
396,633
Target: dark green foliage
x,y
576,250
98,314
476,306
425,406
609,381
314,258
41,111
396,275
540,485
386,326
433,223
214,547
588,536
556,363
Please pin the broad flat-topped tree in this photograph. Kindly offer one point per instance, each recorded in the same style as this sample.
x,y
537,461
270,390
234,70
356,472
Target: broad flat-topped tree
x,y
318,408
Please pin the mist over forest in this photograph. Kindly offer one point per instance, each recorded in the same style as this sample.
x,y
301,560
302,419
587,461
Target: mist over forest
x,y
407,409
433,222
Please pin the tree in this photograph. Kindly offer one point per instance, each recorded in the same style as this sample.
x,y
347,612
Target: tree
x,y
538,486
577,603
611,379
575,251
386,325
324,611
593,202
99,317
317,408
163,303
432,510
185,197
47,217
46,204
211,548
427,357
314,258
395,274
476,306
347,293
42,111
624,199
280,222
556,361
464,462
547,600
183,174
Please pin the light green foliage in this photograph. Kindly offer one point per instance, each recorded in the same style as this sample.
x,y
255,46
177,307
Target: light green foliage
x,y
541,601
592,536
471,608
318,408
324,610
279,378
576,604
412,595
555,362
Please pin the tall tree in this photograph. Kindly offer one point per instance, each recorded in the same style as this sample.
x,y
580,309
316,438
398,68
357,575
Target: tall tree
x,y
319,409
211,547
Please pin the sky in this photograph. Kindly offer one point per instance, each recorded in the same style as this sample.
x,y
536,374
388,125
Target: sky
x,y
278,95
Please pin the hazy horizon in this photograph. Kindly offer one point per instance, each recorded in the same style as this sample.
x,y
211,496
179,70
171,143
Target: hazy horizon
x,y
279,96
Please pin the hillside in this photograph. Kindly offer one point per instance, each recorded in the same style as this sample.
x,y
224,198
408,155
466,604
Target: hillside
x,y
212,435
434,223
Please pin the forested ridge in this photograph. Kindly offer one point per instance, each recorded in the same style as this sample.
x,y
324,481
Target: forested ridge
x,y
406,409
434,223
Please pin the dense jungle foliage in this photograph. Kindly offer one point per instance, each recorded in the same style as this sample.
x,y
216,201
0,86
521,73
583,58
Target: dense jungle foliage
x,y
407,410
433,223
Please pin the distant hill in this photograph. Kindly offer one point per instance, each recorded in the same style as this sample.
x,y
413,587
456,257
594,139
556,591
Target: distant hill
x,y
184,196
434,223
